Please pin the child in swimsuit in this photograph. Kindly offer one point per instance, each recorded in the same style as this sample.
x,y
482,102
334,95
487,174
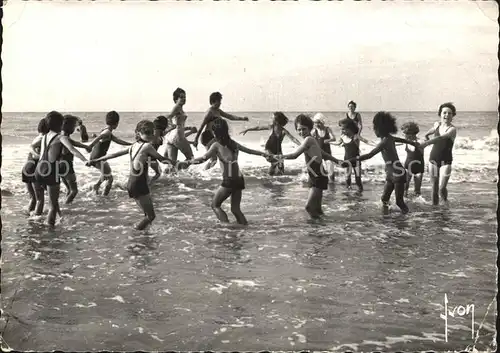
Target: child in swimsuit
x,y
314,156
441,155
100,147
350,140
233,182
324,135
384,124
28,174
205,130
140,153
354,115
414,163
84,136
273,144
66,168
47,171
176,137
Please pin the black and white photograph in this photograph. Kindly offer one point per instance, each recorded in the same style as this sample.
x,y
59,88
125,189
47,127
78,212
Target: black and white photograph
x,y
249,175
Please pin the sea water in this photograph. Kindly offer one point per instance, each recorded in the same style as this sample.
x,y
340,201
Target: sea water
x,y
356,280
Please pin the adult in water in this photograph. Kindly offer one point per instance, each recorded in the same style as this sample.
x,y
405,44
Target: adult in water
x,y
176,138
324,135
205,130
441,155
354,115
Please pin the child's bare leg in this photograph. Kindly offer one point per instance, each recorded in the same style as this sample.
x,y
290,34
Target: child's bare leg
x,y
31,191
399,189
348,177
172,152
313,206
357,177
185,148
386,195
109,178
235,207
40,198
444,172
434,173
409,176
220,196
418,183
146,205
97,185
65,182
53,191
156,168
70,181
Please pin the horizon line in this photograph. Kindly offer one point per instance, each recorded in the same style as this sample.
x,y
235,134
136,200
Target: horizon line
x,y
257,111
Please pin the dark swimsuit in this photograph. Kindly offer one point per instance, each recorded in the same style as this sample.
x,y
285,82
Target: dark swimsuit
x,y
207,135
28,173
157,145
101,148
48,175
317,175
414,163
273,146
356,118
351,150
231,177
324,146
68,157
442,151
137,185
395,172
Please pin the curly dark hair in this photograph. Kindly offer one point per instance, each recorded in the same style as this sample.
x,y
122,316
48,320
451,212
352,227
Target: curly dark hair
x,y
215,97
143,125
447,105
384,124
280,118
54,121
304,119
177,94
69,124
410,128
43,127
161,122
350,125
112,118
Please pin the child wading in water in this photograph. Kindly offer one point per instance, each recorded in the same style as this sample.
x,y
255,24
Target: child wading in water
x,y
414,163
441,155
314,156
100,147
384,124
140,153
350,140
35,190
324,135
205,130
233,183
47,171
273,144
66,169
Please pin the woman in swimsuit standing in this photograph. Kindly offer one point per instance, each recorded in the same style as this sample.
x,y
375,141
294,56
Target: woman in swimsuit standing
x,y
354,115
324,135
176,138
441,155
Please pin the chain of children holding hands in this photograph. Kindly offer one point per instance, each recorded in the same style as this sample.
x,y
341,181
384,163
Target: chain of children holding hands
x,y
53,150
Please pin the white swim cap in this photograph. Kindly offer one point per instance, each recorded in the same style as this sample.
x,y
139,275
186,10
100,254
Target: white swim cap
x,y
319,117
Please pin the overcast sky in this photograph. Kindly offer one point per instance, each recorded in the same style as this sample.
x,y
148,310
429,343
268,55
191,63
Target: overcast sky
x,y
262,56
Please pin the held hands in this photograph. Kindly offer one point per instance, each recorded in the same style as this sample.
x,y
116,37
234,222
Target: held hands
x,y
244,118
243,132
90,163
88,148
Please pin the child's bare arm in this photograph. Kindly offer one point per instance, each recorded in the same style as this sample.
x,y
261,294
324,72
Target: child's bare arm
x,y
79,144
291,137
451,133
372,153
119,141
212,151
431,131
67,143
232,117
256,128
250,151
102,135
301,149
111,156
332,136
151,152
329,157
